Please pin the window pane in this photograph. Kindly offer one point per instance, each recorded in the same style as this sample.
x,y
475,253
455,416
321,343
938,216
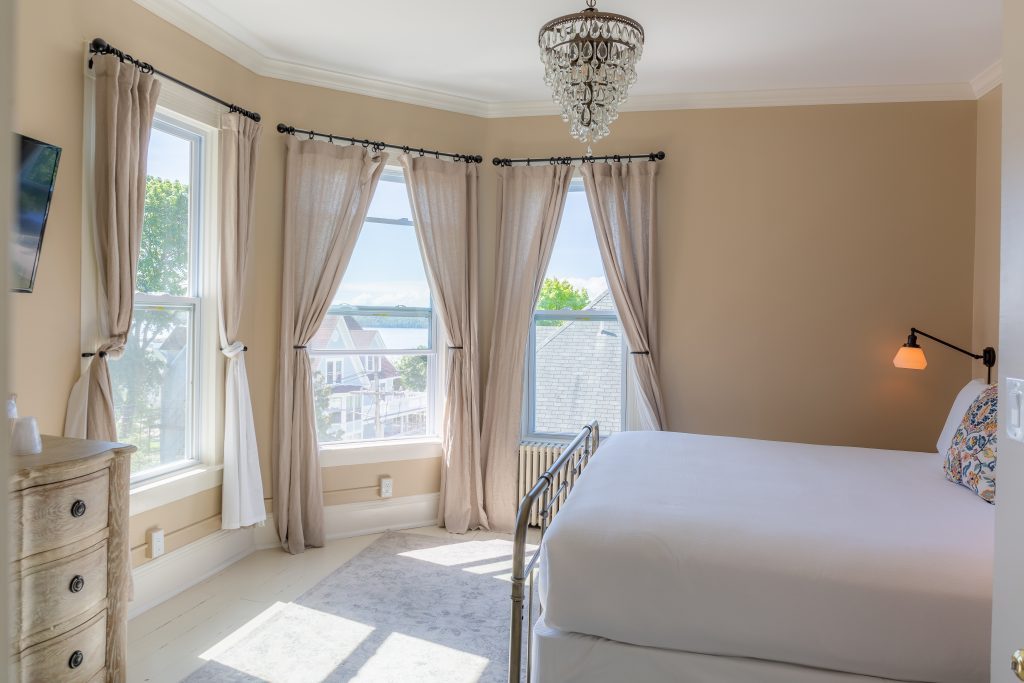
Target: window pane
x,y
577,375
349,328
152,386
575,274
371,396
164,253
386,267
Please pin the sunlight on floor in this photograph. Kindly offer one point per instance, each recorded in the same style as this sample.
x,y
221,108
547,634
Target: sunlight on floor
x,y
450,555
404,658
324,640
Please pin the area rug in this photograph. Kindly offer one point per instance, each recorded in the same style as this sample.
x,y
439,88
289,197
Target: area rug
x,y
408,608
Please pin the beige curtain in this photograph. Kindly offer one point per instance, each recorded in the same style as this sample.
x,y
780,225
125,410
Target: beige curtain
x,y
327,193
444,205
242,491
125,105
530,203
622,198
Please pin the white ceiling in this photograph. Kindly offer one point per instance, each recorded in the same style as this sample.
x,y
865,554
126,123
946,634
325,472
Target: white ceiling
x,y
480,56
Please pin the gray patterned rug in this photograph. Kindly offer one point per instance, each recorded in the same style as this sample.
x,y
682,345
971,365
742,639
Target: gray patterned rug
x,y
409,608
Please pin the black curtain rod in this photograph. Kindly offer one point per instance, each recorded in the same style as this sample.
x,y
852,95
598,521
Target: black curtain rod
x,y
379,146
98,46
650,156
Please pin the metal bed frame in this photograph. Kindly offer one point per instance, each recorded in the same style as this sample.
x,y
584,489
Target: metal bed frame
x,y
549,493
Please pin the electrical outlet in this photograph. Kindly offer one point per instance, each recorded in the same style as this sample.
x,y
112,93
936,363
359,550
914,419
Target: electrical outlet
x,y
387,487
156,543
1015,399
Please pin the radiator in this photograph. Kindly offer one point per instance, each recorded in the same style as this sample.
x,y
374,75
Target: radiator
x,y
534,458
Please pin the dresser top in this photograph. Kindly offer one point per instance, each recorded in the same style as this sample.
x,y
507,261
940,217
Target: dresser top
x,y
76,456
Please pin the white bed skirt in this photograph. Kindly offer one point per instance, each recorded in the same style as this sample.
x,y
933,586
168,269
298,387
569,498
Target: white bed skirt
x,y
560,657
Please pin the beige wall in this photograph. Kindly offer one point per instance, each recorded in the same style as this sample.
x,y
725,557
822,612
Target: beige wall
x,y
986,225
797,245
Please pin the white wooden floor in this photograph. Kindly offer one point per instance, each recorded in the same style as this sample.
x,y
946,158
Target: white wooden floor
x,y
165,644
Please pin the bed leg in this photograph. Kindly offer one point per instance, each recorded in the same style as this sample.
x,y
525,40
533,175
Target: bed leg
x,y
515,653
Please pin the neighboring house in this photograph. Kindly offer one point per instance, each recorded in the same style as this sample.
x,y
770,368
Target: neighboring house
x,y
367,399
576,363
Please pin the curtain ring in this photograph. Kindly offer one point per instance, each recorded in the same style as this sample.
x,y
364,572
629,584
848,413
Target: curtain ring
x,y
437,155
330,138
311,134
527,161
405,149
421,151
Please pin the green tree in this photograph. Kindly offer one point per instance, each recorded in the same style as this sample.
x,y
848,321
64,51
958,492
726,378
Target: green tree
x,y
163,252
322,403
560,295
412,371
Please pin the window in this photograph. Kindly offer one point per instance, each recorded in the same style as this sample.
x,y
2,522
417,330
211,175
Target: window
x,y
374,358
576,353
156,401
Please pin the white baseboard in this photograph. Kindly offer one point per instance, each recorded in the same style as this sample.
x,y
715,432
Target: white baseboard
x,y
369,517
163,578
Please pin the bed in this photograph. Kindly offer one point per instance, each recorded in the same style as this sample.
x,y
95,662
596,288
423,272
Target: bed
x,y
681,557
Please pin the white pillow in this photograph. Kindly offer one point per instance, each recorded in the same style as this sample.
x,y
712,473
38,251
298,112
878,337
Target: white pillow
x,y
963,401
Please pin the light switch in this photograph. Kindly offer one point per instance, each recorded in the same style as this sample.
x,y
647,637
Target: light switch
x,y
1015,399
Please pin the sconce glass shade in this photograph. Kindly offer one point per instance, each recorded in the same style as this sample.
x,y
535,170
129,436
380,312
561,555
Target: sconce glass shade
x,y
910,358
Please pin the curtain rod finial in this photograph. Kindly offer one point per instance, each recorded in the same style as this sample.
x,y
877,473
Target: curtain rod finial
x,y
282,128
98,45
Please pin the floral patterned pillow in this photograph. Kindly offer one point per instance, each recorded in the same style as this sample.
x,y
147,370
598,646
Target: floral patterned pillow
x,y
971,460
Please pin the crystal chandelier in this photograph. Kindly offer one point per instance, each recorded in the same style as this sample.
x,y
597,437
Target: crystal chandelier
x,y
589,62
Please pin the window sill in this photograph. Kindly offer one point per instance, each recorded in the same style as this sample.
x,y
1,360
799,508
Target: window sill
x,y
340,454
174,486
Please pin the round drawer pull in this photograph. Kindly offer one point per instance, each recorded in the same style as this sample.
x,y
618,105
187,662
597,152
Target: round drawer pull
x,y
76,659
77,583
78,508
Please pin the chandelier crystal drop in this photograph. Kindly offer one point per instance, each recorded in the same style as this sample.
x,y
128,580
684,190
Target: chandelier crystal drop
x,y
589,63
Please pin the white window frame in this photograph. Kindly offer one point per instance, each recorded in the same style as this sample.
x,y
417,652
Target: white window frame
x,y
627,419
359,451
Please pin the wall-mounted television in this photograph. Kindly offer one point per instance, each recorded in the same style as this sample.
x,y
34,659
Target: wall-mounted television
x,y
37,173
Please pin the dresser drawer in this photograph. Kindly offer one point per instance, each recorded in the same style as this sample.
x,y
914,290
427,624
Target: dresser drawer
x,y
47,517
50,596
71,658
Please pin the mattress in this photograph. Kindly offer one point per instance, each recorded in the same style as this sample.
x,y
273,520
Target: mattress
x,y
574,658
846,559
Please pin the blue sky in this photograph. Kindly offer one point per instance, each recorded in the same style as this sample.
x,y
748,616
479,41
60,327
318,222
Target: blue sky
x,y
400,279
169,157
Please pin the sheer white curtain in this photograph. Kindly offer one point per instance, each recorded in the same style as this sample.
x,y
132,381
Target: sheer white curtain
x,y
530,203
327,194
125,105
444,204
622,199
242,492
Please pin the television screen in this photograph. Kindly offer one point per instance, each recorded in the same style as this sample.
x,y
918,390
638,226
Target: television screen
x,y
36,175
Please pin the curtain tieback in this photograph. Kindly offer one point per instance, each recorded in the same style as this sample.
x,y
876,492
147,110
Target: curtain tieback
x,y
297,348
90,354
113,348
454,348
639,353
234,349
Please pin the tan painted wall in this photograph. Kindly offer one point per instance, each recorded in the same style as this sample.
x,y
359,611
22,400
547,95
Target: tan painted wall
x,y
797,245
986,225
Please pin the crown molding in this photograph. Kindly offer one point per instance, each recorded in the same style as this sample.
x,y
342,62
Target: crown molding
x,y
988,80
190,22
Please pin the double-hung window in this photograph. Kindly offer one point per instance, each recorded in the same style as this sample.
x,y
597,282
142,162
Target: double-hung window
x,y
374,358
575,361
156,383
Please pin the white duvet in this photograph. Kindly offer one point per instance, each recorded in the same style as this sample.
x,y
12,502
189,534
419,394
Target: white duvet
x,y
856,560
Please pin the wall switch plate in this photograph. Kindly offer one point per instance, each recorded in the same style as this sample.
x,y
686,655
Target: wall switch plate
x,y
387,487
155,543
1015,399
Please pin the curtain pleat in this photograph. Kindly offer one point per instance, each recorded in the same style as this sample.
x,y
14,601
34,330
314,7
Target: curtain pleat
x,y
125,105
443,195
327,194
622,199
530,201
242,491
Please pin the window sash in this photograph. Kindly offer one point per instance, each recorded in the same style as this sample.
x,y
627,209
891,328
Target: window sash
x,y
529,419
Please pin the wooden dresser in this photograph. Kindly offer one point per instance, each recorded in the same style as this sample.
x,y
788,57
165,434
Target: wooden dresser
x,y
70,578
